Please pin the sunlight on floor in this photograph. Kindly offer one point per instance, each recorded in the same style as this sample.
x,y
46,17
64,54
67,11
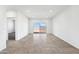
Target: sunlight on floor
x,y
40,39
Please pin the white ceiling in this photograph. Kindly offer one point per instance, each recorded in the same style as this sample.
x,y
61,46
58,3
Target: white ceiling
x,y
38,11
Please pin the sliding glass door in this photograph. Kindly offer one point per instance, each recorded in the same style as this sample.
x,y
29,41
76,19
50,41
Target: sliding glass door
x,y
39,27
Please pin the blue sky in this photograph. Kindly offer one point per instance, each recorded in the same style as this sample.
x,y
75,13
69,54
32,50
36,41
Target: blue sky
x,y
39,24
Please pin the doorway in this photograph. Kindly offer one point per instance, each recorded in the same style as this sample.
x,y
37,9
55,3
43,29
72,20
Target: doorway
x,y
11,28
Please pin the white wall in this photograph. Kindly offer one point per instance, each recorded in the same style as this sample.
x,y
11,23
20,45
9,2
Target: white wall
x,y
3,28
21,26
66,26
46,21
11,13
11,25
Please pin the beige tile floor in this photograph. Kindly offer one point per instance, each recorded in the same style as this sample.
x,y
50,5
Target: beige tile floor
x,y
39,44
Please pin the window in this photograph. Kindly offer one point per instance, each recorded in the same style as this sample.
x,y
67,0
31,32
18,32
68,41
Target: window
x,y
39,27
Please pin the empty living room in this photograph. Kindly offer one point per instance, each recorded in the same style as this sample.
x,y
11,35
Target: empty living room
x,y
39,29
